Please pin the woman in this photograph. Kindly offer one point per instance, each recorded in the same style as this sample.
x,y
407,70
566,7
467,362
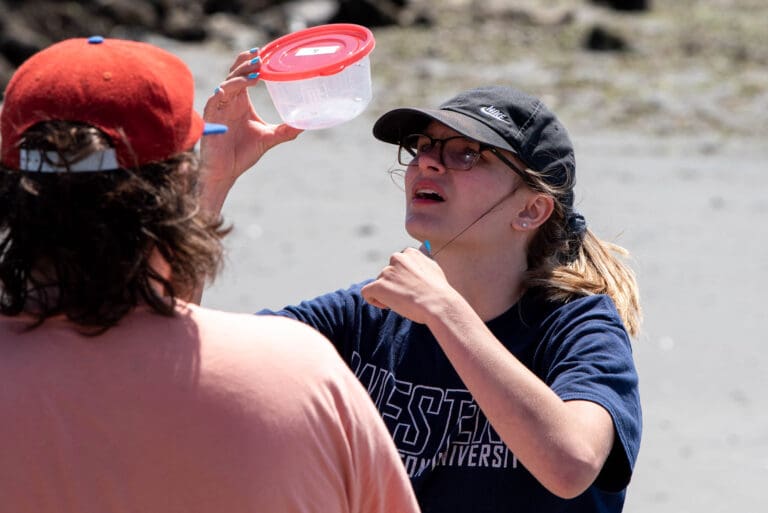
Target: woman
x,y
498,354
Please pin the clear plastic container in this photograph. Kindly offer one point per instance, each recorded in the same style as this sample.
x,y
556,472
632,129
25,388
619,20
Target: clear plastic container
x,y
321,102
321,76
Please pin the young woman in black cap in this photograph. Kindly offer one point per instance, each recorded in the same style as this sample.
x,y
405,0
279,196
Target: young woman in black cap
x,y
499,352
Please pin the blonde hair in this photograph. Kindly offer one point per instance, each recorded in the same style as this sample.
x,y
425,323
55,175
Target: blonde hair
x,y
566,260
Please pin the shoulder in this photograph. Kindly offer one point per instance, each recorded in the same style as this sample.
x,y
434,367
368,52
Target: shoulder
x,y
347,298
213,320
593,312
274,338
332,311
595,305
587,329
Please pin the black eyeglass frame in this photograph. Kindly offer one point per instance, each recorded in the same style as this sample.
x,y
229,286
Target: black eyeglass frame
x,y
483,147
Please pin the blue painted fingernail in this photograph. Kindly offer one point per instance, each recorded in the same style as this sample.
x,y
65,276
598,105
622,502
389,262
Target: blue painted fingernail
x,y
428,246
255,60
251,76
217,90
95,40
254,49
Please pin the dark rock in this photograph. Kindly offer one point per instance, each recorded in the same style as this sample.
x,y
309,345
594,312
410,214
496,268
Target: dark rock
x,y
6,71
64,19
225,6
626,5
368,12
18,42
16,51
603,40
130,14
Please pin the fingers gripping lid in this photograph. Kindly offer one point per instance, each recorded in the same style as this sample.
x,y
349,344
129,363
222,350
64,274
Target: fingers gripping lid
x,y
140,95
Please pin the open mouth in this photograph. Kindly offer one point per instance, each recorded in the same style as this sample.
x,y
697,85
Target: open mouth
x,y
427,194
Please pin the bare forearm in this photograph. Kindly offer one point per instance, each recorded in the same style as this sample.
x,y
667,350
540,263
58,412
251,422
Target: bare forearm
x,y
562,444
213,193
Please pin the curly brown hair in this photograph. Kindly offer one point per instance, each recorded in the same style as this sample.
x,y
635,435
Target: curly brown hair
x,y
81,244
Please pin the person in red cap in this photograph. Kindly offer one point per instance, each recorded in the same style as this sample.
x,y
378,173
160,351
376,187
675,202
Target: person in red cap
x,y
498,353
117,394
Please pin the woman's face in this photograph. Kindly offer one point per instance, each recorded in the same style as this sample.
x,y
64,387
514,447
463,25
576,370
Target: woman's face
x,y
442,201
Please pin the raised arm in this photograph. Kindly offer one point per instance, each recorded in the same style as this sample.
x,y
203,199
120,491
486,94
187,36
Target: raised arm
x,y
225,157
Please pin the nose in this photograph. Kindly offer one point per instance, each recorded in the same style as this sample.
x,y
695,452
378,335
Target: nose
x,y
432,160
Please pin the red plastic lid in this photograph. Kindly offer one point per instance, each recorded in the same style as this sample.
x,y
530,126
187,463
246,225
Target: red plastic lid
x,y
317,51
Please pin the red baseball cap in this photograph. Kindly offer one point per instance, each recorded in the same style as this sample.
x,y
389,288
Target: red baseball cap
x,y
140,95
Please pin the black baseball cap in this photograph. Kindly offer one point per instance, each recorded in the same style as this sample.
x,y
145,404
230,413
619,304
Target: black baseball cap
x,y
499,116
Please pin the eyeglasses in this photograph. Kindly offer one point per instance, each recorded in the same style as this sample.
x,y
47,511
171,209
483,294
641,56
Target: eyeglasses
x,y
458,152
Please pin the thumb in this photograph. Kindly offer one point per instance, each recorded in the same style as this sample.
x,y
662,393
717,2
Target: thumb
x,y
368,296
285,132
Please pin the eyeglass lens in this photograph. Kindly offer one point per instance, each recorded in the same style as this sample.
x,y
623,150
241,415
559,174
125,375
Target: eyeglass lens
x,y
455,152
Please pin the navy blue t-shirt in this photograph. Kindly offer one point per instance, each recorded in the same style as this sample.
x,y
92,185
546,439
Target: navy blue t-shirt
x,y
455,460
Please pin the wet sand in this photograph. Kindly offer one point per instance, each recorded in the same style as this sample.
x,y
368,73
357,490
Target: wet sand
x,y
321,213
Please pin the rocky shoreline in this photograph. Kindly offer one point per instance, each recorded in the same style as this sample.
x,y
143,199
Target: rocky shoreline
x,y
672,68
28,26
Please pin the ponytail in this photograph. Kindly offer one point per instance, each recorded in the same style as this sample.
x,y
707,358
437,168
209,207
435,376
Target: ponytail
x,y
566,260
597,269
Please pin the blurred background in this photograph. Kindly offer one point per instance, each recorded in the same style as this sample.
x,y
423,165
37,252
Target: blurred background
x,y
667,104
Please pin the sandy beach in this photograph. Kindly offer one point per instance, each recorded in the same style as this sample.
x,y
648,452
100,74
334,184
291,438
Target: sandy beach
x,y
691,205
310,222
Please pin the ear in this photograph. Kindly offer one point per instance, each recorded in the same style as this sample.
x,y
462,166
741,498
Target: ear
x,y
534,212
